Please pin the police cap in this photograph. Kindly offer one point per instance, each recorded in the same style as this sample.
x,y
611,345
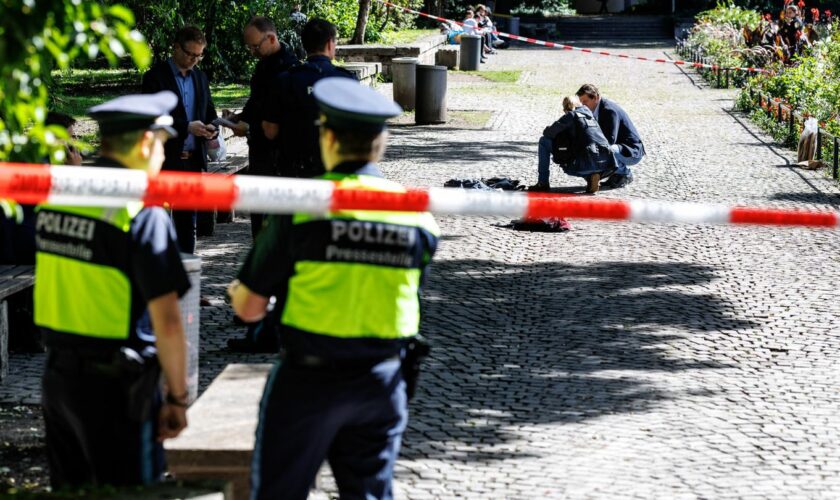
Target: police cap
x,y
348,105
136,112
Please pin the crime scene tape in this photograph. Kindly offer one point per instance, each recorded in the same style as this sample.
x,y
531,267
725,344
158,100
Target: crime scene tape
x,y
580,49
114,187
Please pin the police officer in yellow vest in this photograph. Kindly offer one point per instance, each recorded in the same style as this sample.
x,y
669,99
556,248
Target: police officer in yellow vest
x,y
348,284
107,282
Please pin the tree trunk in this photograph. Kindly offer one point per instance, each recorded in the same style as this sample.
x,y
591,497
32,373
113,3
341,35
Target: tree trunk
x,y
361,22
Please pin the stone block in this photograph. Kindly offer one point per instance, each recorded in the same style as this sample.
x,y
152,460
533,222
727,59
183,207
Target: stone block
x,y
448,56
220,438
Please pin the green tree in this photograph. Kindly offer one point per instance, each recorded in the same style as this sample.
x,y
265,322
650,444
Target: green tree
x,y
37,36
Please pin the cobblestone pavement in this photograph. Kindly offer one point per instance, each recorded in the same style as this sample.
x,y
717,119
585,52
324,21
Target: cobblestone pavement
x,y
616,360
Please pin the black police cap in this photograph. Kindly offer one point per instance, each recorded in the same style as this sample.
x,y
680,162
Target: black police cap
x,y
349,105
136,112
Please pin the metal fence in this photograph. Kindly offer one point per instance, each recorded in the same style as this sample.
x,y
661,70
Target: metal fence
x,y
774,107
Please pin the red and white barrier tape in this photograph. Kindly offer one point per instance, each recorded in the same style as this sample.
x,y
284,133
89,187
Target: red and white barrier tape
x,y
114,187
588,51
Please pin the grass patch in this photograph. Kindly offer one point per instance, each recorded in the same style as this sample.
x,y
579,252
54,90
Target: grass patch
x,y
75,104
406,36
93,80
511,76
472,119
231,95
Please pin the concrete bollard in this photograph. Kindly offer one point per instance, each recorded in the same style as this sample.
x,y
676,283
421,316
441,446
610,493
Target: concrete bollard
x,y
191,316
470,53
431,95
404,73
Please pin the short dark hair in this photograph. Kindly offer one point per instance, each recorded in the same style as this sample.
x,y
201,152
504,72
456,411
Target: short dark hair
x,y
190,34
316,34
590,90
261,24
358,143
120,143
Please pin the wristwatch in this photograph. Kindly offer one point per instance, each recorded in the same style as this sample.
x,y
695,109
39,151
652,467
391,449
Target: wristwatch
x,y
178,400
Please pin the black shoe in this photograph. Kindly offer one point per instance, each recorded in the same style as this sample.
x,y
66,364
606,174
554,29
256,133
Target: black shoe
x,y
540,187
617,181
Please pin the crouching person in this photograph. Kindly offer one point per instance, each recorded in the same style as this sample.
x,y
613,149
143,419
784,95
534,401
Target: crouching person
x,y
578,145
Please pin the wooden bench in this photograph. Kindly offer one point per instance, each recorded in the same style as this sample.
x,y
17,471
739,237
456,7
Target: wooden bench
x,y
13,279
219,441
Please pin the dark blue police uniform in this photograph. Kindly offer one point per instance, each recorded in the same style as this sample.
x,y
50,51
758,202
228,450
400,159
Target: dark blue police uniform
x,y
347,284
96,270
293,107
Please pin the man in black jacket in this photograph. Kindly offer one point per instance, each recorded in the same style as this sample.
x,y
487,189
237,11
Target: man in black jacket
x,y
625,143
261,38
292,115
192,117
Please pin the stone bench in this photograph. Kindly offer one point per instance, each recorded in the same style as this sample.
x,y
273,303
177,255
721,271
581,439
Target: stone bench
x,y
366,72
219,440
235,162
448,56
13,279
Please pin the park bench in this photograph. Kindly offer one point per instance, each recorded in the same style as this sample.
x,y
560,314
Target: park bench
x,y
219,441
13,279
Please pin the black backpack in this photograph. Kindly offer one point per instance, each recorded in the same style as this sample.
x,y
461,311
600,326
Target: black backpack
x,y
585,137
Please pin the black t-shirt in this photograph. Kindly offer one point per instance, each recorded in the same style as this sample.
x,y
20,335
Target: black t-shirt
x,y
265,74
292,106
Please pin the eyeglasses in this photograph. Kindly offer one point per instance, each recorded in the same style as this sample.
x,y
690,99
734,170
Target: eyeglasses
x,y
192,55
257,46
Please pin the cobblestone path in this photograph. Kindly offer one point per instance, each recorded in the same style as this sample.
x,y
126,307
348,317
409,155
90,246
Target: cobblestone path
x,y
616,360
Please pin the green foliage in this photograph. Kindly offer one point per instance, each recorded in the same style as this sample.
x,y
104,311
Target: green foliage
x,y
729,14
37,36
223,21
812,85
407,36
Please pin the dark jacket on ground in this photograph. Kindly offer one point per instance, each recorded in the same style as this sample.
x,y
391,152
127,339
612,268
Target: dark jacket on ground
x,y
160,77
619,129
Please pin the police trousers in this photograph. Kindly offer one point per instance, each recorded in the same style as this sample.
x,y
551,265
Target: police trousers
x,y
352,418
93,434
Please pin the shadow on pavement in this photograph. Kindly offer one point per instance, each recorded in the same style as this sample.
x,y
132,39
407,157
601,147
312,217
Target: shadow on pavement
x,y
443,151
523,345
809,197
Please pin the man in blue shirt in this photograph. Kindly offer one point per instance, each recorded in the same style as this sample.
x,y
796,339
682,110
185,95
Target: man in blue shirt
x,y
625,143
192,116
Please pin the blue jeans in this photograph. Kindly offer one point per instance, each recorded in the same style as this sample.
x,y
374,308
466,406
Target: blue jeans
x,y
623,163
544,161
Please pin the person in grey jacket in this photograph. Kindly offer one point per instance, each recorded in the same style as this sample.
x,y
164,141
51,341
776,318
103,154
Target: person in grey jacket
x,y
578,146
624,139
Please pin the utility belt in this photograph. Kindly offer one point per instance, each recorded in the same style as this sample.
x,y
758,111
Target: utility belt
x,y
299,360
139,376
414,349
